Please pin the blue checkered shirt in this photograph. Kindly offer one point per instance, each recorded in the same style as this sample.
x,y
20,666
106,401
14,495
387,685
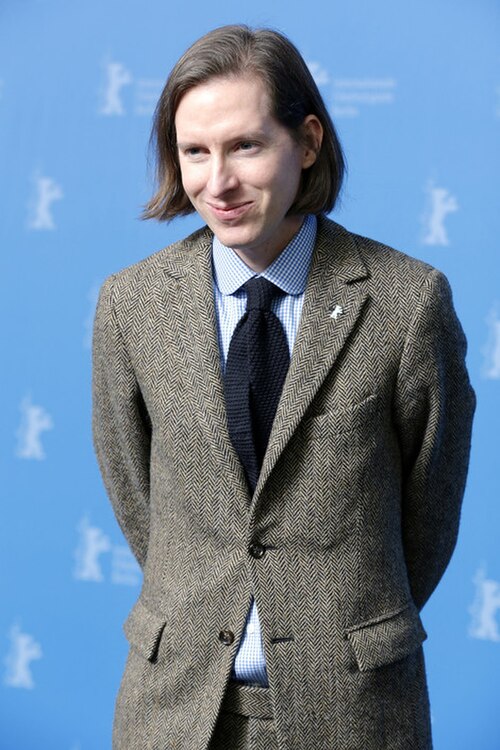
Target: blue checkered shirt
x,y
289,272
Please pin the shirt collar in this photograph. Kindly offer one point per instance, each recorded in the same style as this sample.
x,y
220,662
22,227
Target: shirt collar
x,y
288,271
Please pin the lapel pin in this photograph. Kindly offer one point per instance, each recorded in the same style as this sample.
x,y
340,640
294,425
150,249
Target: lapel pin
x,y
335,311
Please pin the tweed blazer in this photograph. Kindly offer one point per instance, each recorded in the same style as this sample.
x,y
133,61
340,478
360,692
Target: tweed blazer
x,y
350,527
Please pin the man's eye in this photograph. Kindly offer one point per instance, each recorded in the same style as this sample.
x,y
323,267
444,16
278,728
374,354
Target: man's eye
x,y
247,145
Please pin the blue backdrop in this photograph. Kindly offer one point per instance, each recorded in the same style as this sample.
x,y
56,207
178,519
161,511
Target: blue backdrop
x,y
415,92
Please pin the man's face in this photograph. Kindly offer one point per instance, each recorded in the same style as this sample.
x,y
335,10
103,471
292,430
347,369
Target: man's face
x,y
240,167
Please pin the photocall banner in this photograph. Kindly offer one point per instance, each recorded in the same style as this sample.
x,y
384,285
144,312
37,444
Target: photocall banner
x,y
414,90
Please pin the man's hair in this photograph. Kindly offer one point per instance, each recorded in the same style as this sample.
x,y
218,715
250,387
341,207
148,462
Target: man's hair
x,y
231,51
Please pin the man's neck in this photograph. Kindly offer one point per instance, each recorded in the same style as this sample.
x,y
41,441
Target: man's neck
x,y
261,257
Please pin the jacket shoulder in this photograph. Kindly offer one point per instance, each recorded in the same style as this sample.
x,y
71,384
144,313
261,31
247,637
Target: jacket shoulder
x,y
386,262
388,269
171,259
401,288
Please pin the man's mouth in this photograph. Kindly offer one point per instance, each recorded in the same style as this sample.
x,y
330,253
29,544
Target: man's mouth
x,y
230,212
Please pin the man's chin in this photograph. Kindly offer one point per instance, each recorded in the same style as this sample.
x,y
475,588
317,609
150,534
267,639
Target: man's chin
x,y
235,238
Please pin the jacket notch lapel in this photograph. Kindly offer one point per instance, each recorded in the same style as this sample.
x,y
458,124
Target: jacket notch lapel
x,y
196,300
335,296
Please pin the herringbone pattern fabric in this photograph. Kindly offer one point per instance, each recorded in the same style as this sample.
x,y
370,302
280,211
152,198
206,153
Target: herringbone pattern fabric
x,y
356,508
245,721
256,368
236,732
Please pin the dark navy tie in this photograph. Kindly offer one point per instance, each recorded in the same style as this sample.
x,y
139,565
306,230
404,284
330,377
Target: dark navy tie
x,y
256,367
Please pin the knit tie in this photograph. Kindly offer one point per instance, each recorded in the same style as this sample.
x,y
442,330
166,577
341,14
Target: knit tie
x,y
256,368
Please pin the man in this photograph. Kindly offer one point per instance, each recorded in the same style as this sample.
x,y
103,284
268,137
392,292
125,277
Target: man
x,y
292,514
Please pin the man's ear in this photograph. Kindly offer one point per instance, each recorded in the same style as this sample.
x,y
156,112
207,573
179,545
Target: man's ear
x,y
312,138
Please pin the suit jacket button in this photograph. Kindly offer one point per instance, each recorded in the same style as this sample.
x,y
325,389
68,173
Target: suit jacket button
x,y
226,637
257,550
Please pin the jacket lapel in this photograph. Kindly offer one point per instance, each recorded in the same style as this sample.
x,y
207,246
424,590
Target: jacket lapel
x,y
193,272
334,298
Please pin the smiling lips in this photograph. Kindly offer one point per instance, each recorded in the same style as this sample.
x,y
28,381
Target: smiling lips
x,y
229,213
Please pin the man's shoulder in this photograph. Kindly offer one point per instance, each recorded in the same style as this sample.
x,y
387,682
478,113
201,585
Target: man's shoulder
x,y
170,260
385,265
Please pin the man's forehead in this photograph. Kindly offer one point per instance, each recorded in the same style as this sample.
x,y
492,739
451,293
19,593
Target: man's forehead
x,y
225,102
245,81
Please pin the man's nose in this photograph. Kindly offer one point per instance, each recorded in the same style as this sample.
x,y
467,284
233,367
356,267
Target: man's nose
x,y
222,177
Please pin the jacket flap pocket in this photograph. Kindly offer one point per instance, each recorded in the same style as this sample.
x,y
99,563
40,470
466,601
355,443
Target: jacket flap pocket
x,y
143,629
387,639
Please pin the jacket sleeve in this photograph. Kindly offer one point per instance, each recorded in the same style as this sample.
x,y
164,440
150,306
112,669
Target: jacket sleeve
x,y
121,426
434,406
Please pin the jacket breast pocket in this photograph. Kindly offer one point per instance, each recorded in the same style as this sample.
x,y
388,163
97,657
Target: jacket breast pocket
x,y
347,419
143,629
387,639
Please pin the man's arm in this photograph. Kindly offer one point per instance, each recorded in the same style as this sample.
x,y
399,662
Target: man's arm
x,y
121,426
434,406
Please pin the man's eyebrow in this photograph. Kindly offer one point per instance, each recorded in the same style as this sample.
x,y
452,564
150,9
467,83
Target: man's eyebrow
x,y
186,144
257,135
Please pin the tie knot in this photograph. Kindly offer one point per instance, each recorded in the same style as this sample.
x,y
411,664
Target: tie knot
x,y
260,293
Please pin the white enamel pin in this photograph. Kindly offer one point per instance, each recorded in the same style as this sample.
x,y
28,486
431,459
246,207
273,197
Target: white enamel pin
x,y
335,311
